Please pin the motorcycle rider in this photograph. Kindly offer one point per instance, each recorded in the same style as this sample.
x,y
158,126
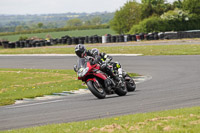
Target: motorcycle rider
x,y
105,59
102,59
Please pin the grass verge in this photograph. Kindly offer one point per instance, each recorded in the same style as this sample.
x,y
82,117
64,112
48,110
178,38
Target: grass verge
x,y
145,50
16,84
173,121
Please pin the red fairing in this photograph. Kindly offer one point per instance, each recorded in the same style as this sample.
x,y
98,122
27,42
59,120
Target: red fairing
x,y
100,75
91,72
95,66
91,79
90,67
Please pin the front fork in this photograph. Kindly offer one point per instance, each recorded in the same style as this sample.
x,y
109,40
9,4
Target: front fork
x,y
95,81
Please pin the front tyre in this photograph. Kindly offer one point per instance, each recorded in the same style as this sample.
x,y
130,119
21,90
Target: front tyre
x,y
99,92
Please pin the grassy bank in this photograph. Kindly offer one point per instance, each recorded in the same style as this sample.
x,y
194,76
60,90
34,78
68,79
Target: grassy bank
x,y
145,50
59,34
173,121
28,83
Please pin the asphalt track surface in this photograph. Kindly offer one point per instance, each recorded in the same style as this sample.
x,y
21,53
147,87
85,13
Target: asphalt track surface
x,y
175,84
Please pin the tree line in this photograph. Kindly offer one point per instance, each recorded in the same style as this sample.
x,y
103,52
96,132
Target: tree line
x,y
21,23
102,26
156,16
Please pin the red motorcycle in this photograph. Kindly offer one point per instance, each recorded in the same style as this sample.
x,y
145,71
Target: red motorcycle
x,y
97,81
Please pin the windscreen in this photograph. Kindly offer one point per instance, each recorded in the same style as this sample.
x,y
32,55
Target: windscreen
x,y
82,63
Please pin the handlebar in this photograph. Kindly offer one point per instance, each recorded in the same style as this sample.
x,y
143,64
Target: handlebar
x,y
90,59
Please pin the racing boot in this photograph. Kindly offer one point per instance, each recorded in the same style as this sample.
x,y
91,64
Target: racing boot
x,y
121,81
109,83
112,75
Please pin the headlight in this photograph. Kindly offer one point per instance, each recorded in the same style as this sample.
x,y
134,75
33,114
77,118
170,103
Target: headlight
x,y
82,71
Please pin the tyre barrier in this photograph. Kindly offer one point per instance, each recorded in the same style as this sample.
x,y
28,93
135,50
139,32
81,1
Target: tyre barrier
x,y
171,35
63,41
161,35
113,39
22,44
141,36
86,39
81,40
133,38
5,44
100,39
150,36
11,45
69,41
75,40
138,38
108,38
129,38
95,39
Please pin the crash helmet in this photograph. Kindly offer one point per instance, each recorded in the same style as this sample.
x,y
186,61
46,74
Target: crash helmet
x,y
80,50
95,51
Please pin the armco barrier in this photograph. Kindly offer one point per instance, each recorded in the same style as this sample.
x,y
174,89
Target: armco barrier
x,y
101,39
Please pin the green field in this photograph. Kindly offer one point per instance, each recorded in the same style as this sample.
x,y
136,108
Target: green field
x,y
75,33
186,120
145,50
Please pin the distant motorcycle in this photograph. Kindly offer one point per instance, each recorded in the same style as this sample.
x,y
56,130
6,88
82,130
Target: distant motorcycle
x,y
97,81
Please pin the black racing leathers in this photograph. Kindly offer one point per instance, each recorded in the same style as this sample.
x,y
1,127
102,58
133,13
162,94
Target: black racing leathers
x,y
103,59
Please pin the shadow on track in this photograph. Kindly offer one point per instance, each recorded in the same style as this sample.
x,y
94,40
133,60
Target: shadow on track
x,y
114,96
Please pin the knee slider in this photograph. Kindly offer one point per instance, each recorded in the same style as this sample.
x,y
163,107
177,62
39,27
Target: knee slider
x,y
117,65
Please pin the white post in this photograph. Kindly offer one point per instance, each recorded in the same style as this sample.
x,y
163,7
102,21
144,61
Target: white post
x,y
104,39
125,38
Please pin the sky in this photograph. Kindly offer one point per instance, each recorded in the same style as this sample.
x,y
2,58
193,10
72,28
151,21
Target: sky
x,y
59,6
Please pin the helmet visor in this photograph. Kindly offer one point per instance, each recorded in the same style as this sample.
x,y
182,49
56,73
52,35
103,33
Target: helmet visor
x,y
79,53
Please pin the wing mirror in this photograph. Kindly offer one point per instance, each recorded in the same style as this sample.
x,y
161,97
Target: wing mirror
x,y
75,68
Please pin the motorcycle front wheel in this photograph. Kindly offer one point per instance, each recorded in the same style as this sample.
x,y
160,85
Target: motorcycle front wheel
x,y
99,92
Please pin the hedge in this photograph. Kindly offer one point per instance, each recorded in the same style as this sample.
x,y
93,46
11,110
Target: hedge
x,y
104,26
156,24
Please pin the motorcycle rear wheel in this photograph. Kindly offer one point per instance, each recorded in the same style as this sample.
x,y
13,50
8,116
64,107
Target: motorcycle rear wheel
x,y
131,86
96,91
121,91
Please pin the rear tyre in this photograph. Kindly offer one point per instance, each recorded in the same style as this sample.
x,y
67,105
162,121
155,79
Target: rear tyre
x,y
121,91
131,86
99,92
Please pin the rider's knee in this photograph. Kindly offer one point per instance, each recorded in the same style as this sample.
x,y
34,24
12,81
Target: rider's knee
x,y
116,65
